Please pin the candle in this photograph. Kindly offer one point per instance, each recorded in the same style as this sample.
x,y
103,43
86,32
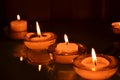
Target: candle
x,y
116,27
39,41
65,52
66,47
17,35
101,67
18,25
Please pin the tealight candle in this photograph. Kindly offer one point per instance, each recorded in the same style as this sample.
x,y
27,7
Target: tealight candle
x,y
18,25
98,68
65,52
39,41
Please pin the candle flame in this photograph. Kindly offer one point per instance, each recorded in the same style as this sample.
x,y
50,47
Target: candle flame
x,y
39,67
94,59
18,17
66,39
38,29
21,58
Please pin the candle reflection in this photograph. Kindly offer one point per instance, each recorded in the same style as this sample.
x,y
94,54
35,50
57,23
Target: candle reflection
x,y
21,58
39,67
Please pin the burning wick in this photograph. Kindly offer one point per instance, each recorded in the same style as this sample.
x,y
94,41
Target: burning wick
x,y
39,67
94,59
38,29
66,39
21,58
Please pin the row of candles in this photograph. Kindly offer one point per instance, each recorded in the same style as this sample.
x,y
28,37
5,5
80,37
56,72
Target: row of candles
x,y
96,66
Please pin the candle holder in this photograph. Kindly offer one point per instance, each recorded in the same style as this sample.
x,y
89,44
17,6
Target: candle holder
x,y
66,57
107,67
39,43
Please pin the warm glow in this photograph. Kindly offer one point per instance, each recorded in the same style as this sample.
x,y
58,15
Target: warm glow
x,y
66,39
38,29
18,17
119,24
94,59
51,56
21,58
93,69
39,67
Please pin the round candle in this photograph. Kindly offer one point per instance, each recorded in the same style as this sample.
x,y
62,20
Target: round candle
x,y
18,35
39,43
105,67
101,63
66,48
65,52
18,25
116,27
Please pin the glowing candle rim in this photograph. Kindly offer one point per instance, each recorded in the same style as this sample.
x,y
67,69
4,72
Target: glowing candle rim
x,y
116,25
80,46
27,37
113,62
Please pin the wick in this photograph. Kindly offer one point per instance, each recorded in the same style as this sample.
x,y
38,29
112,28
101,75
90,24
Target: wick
x,y
67,43
39,35
95,63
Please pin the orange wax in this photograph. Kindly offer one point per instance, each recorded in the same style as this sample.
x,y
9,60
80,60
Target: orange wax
x,y
116,25
39,42
65,53
18,25
106,66
66,48
101,63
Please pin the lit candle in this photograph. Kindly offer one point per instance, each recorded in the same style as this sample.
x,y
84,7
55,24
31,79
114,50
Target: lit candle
x,y
39,41
39,67
18,25
94,63
65,52
66,47
98,68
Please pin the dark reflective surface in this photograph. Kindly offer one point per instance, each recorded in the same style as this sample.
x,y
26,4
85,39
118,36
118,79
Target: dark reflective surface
x,y
97,35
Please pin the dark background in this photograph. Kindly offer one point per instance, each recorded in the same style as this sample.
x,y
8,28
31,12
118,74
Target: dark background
x,y
86,21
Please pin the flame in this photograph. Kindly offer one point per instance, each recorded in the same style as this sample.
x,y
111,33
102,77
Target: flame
x,y
18,17
94,59
21,58
66,39
38,29
39,67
